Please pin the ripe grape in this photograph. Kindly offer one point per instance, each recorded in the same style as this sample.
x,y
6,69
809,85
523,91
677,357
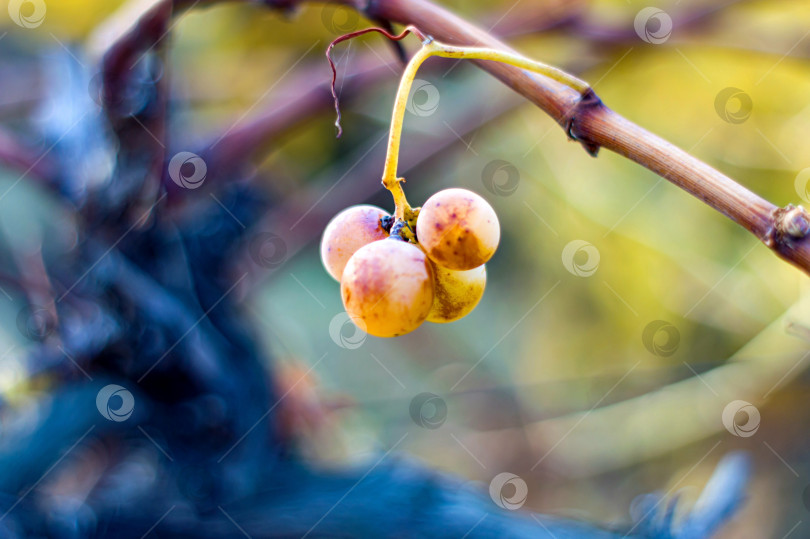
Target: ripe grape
x,y
347,232
456,293
387,288
458,229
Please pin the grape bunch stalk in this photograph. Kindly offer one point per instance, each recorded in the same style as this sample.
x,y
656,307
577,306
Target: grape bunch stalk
x,y
429,263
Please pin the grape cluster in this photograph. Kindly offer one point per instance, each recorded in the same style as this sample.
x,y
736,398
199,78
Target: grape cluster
x,y
389,283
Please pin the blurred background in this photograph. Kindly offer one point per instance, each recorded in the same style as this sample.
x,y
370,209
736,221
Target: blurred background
x,y
622,317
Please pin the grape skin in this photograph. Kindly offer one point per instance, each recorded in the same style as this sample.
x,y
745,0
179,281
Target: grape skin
x,y
387,288
458,229
456,293
347,232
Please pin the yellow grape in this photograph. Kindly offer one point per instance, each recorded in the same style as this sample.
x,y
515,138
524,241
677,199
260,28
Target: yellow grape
x,y
387,288
349,230
456,293
458,229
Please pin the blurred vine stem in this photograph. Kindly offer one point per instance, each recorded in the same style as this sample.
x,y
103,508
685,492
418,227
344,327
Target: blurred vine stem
x,y
584,118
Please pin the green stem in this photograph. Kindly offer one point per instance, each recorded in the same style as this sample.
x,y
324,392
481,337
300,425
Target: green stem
x,y
432,48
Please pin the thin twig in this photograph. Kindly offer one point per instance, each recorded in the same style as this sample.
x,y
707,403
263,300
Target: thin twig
x,y
351,35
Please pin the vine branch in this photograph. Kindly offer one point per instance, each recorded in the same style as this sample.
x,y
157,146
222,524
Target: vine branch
x,y
588,121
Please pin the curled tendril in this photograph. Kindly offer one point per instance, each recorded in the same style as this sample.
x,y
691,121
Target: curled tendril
x,y
346,37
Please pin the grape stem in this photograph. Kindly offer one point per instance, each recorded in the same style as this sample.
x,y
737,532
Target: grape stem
x,y
403,211
430,47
